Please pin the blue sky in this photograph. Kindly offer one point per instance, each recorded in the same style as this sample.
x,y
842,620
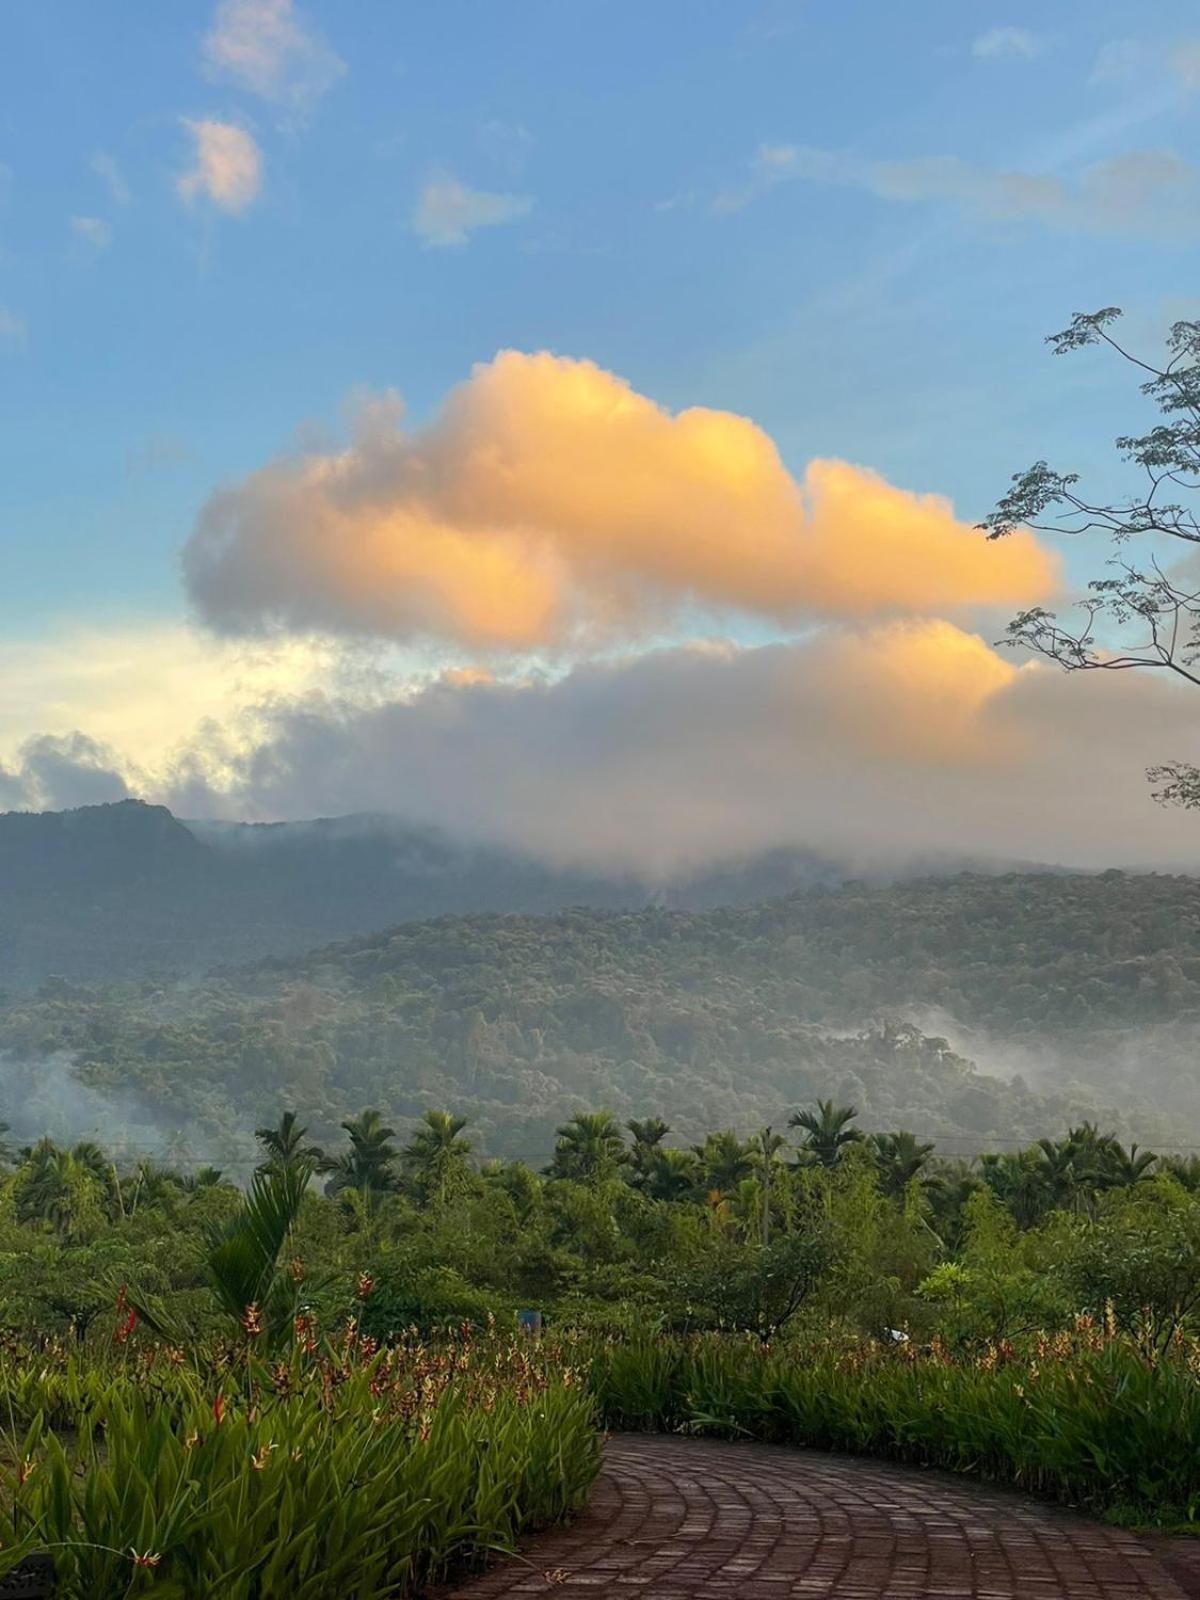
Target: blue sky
x,y
905,335
850,223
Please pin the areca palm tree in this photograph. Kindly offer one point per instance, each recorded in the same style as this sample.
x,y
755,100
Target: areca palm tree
x,y
62,1188
369,1164
648,1135
766,1145
589,1148
1019,1179
1128,1167
901,1158
435,1158
671,1174
828,1132
285,1148
725,1160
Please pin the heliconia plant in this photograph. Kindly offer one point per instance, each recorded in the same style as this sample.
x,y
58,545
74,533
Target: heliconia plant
x,y
347,1471
1088,1415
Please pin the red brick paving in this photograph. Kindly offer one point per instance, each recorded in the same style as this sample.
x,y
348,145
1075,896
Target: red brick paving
x,y
675,1519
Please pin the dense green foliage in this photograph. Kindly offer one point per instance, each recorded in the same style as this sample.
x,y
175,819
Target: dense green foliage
x,y
731,1016
191,1370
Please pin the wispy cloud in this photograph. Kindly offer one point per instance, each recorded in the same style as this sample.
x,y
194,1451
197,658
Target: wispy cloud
x,y
1147,191
227,168
266,48
772,164
448,212
93,231
1006,44
111,176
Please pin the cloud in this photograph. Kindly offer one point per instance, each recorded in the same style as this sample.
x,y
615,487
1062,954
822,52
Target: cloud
x,y
228,166
1006,44
914,737
264,47
93,230
448,212
875,742
144,688
57,774
549,504
111,176
1143,191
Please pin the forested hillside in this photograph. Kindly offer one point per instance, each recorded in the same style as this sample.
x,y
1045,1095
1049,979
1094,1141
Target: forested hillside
x,y
1091,985
113,892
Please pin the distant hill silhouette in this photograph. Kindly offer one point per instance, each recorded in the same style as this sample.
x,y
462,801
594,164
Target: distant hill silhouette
x,y
127,890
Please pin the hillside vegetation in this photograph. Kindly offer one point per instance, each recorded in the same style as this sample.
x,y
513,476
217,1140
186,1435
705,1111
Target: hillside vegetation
x,y
725,1017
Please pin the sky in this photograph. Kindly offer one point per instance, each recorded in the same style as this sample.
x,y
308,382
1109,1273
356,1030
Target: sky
x,y
566,421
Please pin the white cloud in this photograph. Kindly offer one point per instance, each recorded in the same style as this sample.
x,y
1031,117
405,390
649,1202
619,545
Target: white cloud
x,y
448,212
1142,191
93,230
265,47
1006,44
111,176
228,165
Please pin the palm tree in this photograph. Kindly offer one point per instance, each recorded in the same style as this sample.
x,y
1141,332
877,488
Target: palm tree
x,y
725,1160
901,1158
829,1132
670,1175
1128,1167
1020,1180
62,1188
589,1148
435,1158
766,1145
648,1135
285,1148
204,1178
6,1150
1079,1166
369,1165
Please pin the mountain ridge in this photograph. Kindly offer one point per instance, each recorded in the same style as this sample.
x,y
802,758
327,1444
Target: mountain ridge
x,y
105,893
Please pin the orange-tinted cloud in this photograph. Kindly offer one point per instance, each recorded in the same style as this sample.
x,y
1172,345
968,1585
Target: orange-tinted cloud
x,y
922,691
550,504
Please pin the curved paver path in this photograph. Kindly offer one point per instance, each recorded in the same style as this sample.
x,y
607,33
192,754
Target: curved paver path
x,y
676,1519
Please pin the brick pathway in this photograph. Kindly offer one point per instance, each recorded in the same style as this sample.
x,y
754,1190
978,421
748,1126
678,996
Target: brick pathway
x,y
676,1519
